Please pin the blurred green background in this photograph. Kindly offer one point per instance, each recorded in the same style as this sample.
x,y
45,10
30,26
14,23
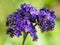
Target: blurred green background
x,y
47,38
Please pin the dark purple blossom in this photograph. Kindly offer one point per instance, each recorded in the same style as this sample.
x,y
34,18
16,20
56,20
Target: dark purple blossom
x,y
46,19
22,21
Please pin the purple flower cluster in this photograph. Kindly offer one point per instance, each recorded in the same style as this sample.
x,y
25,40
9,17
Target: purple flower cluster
x,y
22,20
46,19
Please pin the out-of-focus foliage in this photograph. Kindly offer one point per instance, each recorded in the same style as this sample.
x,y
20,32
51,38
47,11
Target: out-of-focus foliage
x,y
47,38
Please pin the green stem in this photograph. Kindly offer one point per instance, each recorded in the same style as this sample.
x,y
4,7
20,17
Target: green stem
x,y
24,37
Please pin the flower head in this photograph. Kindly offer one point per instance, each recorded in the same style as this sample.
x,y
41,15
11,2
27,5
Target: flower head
x,y
46,19
22,21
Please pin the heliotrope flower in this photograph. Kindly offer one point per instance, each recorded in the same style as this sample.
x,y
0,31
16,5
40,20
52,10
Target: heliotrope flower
x,y
22,21
46,19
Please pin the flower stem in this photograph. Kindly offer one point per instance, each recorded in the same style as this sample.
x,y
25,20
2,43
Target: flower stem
x,y
24,37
